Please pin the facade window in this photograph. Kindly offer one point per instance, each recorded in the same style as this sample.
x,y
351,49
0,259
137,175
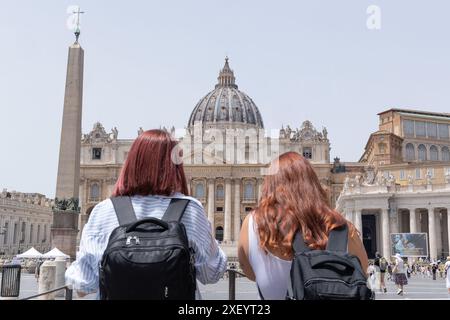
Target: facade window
x,y
420,129
445,154
5,230
418,174
38,236
432,129
408,128
219,234
430,172
125,155
219,192
249,191
219,209
410,152
45,233
382,148
307,152
443,131
422,152
96,153
402,175
248,209
200,190
95,192
446,171
434,153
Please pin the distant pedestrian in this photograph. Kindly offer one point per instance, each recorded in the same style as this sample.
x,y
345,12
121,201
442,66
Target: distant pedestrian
x,y
372,279
37,271
434,268
381,266
399,274
447,271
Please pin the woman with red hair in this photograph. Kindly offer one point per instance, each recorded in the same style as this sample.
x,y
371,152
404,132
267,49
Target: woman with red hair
x,y
152,175
292,199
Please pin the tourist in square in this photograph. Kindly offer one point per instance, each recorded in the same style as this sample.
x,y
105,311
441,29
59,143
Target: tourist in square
x,y
292,198
447,272
151,178
399,272
383,267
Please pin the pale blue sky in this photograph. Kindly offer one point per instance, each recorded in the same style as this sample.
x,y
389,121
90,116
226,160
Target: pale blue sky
x,y
147,63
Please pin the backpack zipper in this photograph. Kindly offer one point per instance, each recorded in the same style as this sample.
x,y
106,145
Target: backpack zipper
x,y
145,247
333,280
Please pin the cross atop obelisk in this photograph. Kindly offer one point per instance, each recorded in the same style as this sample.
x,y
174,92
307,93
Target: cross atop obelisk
x,y
77,29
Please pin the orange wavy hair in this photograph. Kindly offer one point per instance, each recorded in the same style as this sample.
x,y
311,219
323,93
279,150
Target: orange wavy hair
x,y
292,198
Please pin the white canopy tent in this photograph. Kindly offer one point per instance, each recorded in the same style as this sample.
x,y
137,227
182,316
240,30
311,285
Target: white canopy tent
x,y
55,253
31,253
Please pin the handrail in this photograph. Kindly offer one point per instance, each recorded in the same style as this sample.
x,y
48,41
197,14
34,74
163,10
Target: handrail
x,y
232,282
67,288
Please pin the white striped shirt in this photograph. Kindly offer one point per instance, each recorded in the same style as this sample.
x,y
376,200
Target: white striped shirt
x,y
210,260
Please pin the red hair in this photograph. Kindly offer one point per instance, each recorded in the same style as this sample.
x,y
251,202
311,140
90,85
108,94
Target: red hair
x,y
150,168
292,199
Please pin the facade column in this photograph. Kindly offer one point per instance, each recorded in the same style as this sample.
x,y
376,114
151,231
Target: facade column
x,y
259,188
448,227
432,233
189,186
358,221
2,224
237,209
227,222
438,233
211,204
412,220
385,232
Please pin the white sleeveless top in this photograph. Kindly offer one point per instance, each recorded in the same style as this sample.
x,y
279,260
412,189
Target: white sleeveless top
x,y
271,272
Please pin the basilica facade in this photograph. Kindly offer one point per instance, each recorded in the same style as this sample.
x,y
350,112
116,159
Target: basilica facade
x,y
226,150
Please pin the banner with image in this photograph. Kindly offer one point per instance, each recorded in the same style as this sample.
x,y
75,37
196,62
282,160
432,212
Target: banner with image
x,y
409,244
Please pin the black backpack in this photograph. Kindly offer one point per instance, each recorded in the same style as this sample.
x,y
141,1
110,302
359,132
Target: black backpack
x,y
330,274
148,259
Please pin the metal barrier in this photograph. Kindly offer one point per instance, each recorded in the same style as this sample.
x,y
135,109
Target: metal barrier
x,y
10,281
68,293
232,282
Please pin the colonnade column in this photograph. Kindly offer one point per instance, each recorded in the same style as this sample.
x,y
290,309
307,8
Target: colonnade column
x,y
412,220
237,209
438,233
448,227
432,233
227,223
358,221
211,208
385,232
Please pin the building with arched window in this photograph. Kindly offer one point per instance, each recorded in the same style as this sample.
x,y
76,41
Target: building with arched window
x,y
403,191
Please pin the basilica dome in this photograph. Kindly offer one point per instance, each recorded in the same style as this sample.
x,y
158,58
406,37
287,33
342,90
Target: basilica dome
x,y
226,104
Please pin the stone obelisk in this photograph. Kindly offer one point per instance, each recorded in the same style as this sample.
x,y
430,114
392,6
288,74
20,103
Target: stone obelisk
x,y
66,210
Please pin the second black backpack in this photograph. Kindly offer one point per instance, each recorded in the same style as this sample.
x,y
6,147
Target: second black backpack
x,y
330,274
148,259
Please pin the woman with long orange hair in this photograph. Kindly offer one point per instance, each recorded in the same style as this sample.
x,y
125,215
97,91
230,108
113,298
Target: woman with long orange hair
x,y
292,199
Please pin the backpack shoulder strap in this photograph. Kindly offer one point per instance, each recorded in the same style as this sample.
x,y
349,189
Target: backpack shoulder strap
x,y
175,210
299,243
338,239
124,209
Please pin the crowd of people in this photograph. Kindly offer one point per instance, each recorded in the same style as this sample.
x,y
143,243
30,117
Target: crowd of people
x,y
398,270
